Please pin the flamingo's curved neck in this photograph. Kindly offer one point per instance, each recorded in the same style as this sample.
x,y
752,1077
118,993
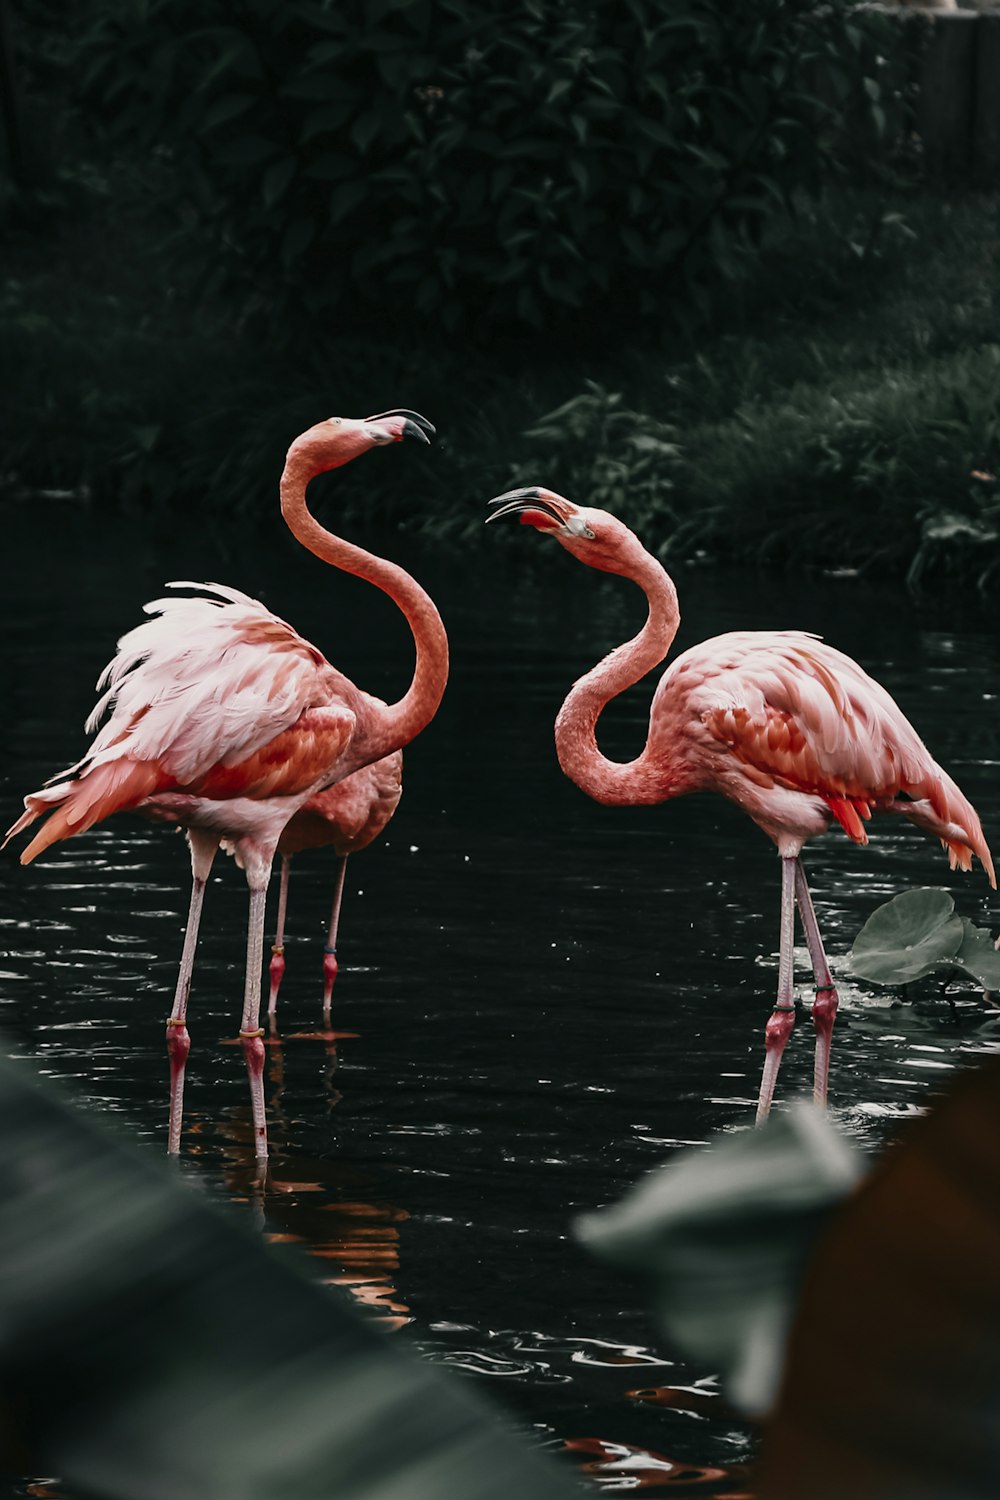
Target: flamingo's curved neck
x,y
645,779
400,722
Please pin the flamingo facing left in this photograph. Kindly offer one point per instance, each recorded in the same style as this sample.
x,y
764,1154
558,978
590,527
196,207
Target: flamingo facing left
x,y
347,817
222,718
793,731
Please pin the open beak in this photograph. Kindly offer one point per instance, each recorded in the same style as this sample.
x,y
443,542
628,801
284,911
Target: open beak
x,y
536,507
415,426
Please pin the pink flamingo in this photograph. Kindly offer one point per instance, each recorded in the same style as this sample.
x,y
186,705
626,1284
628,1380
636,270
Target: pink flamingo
x,y
791,730
223,719
348,816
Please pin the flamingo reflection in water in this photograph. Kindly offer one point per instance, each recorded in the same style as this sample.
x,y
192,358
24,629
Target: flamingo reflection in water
x,y
793,731
223,719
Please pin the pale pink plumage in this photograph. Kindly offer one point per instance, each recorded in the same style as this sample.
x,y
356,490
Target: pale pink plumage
x,y
792,730
222,719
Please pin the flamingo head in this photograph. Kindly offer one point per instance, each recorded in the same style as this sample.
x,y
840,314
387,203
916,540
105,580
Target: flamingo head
x,y
596,537
339,439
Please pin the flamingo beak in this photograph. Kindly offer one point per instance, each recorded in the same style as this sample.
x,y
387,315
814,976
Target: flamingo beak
x,y
536,507
414,425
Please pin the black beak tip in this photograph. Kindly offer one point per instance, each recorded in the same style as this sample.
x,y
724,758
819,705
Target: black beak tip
x,y
513,496
415,425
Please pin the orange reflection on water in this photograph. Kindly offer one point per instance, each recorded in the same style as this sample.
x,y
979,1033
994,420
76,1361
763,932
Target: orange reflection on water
x,y
619,1466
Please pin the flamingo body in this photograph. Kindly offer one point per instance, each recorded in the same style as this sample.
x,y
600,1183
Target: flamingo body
x,y
349,815
798,735
221,718
792,730
346,817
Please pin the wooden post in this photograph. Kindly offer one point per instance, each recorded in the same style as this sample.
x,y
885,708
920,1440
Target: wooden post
x,y
986,125
9,103
947,83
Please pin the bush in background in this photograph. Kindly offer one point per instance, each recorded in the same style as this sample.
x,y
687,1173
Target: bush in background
x,y
556,164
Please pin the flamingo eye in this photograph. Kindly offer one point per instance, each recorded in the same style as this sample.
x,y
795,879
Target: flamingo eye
x,y
577,526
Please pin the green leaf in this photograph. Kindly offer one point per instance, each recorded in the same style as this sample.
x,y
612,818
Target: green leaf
x,y
276,179
978,956
345,198
908,937
226,108
297,238
245,151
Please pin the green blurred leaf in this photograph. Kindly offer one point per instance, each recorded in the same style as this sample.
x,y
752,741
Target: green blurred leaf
x,y
276,180
226,108
720,1235
152,1349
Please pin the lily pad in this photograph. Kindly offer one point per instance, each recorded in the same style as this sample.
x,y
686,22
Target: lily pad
x,y
978,956
910,936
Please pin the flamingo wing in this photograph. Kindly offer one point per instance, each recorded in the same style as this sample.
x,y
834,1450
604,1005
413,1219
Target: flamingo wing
x,y
797,713
214,695
209,680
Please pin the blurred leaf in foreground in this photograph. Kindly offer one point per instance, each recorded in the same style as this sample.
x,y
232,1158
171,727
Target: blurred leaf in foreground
x,y
722,1235
152,1350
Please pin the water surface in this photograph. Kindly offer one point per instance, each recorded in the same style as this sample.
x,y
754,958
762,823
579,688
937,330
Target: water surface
x,y
549,997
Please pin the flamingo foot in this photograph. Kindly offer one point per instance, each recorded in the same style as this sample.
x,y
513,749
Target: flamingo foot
x,y
330,971
276,971
824,1014
178,1047
776,1033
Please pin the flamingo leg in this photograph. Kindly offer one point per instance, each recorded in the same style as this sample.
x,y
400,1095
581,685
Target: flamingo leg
x,y
330,949
779,1027
277,966
204,847
825,1005
251,1033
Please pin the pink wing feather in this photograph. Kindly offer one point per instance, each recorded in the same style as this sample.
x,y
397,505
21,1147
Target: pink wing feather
x,y
800,714
203,696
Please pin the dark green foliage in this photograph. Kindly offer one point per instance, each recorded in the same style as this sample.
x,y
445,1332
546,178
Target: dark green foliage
x,y
437,160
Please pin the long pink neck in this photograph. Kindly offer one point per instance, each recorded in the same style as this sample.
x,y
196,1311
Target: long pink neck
x,y
647,778
400,722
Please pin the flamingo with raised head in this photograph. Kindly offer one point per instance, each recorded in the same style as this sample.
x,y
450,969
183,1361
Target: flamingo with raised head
x,y
793,731
348,817
223,719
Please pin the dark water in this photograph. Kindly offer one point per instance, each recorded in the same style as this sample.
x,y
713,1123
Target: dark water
x,y
549,997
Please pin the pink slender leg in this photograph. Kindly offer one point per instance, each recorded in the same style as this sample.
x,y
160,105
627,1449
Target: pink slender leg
x,y
779,1027
330,950
251,1033
203,850
277,966
824,1011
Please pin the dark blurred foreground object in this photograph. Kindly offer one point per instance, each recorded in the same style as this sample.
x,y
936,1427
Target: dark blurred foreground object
x,y
891,1388
149,1348
887,1386
721,1235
